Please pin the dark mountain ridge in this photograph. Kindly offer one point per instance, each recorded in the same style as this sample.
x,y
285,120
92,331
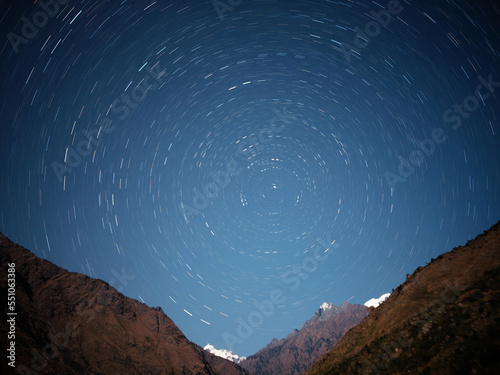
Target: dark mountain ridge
x,y
69,323
444,319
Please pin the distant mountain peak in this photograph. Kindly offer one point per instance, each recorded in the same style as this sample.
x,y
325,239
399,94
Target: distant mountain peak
x,y
326,306
224,353
326,311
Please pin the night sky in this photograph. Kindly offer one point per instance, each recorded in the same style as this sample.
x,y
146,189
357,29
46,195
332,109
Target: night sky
x,y
206,157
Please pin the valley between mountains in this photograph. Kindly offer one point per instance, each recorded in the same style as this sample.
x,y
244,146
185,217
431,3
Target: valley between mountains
x,y
444,319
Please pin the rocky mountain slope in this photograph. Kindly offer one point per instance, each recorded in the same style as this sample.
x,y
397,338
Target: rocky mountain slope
x,y
445,319
295,353
68,323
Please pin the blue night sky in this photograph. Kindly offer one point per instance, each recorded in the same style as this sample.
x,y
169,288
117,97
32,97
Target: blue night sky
x,y
205,160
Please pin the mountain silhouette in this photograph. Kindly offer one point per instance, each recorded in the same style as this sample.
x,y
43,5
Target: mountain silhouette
x,y
444,319
69,323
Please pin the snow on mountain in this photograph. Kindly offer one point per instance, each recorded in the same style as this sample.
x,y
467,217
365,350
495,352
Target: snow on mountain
x,y
374,302
326,306
325,312
224,353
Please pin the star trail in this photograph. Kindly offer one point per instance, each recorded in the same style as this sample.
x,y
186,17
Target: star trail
x,y
239,163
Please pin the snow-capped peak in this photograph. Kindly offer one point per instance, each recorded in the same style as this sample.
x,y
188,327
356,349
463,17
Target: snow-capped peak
x,y
224,353
326,306
374,302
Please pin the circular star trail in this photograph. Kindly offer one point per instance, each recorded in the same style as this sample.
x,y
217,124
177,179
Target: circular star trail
x,y
200,156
